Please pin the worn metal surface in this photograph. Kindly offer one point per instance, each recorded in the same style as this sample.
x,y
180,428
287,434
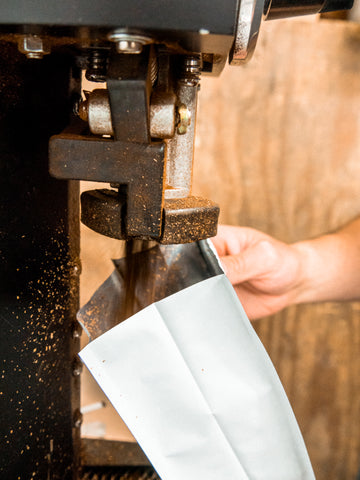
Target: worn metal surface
x,y
129,84
189,219
247,31
134,162
184,220
130,159
107,453
162,115
95,110
180,149
39,256
141,169
102,211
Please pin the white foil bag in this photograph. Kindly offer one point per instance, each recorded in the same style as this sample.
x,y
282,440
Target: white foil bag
x,y
195,386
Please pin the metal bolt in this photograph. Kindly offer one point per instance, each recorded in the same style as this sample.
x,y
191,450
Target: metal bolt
x,y
83,110
77,367
33,47
78,418
184,119
76,331
127,42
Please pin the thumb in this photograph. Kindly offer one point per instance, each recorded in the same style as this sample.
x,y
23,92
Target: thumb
x,y
249,264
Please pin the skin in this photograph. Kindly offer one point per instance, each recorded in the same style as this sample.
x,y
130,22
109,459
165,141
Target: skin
x,y
269,275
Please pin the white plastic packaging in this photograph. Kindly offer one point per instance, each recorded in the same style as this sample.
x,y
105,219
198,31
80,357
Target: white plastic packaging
x,y
195,386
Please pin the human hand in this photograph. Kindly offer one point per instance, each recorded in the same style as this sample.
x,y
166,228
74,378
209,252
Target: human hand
x,y
266,273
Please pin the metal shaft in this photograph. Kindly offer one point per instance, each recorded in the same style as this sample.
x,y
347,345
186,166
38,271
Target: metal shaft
x,y
180,149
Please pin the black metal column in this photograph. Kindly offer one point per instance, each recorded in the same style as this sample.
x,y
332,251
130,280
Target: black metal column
x,y
39,267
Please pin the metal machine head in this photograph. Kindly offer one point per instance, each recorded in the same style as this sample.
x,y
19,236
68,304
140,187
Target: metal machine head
x,y
138,134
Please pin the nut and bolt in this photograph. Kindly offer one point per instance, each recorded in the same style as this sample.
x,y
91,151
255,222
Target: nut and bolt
x,y
184,119
128,43
33,47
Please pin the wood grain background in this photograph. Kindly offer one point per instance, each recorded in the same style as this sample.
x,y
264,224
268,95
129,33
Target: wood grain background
x,y
278,147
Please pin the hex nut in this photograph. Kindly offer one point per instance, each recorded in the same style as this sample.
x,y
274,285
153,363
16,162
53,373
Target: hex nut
x,y
184,119
33,46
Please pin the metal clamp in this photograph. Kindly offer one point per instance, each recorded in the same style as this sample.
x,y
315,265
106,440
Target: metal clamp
x,y
250,15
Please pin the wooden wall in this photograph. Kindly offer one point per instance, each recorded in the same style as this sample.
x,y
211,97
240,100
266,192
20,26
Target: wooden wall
x,y
278,147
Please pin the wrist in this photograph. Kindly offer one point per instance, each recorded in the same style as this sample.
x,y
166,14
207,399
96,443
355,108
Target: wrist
x,y
320,267
306,289
327,269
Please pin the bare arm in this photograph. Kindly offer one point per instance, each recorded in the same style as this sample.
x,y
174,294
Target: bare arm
x,y
269,275
331,266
